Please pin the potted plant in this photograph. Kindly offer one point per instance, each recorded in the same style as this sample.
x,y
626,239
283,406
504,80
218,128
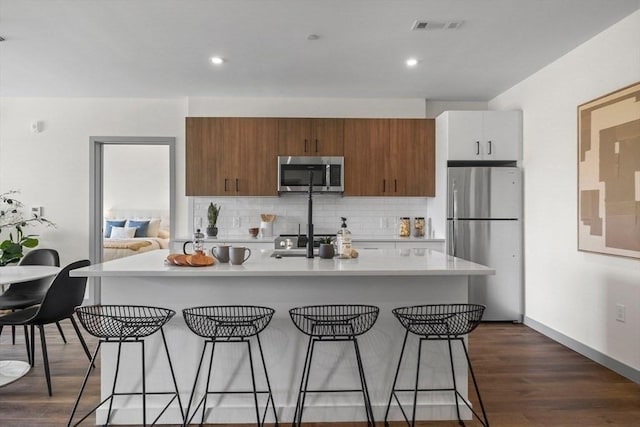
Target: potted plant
x,y
212,216
13,218
326,249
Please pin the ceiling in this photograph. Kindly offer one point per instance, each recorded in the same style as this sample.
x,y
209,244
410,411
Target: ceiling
x,y
161,48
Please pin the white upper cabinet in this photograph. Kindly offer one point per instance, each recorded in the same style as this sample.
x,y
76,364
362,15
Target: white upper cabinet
x,y
483,135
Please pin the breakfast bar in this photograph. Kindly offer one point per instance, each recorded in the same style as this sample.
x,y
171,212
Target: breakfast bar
x,y
383,278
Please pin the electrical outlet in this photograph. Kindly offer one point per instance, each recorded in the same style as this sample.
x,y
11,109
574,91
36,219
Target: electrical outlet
x,y
620,313
36,211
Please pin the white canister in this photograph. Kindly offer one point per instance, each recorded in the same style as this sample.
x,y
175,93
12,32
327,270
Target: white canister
x,y
266,228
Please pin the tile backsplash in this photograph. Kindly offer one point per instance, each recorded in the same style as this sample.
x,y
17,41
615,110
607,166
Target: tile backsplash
x,y
366,216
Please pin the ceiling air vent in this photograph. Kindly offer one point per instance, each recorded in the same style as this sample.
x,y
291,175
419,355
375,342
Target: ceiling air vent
x,y
435,25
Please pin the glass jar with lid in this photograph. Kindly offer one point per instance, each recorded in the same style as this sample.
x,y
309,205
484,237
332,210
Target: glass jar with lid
x,y
405,227
418,226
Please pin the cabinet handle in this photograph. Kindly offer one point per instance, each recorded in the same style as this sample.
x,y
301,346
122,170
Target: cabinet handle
x,y
237,189
384,185
316,145
395,185
305,145
225,185
477,148
489,147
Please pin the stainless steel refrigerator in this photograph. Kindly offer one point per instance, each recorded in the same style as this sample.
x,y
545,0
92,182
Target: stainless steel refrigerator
x,y
484,225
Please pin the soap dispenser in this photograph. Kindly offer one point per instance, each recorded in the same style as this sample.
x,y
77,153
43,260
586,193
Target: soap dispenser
x,y
343,239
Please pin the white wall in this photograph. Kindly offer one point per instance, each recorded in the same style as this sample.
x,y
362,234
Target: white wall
x,y
51,168
435,108
136,177
574,293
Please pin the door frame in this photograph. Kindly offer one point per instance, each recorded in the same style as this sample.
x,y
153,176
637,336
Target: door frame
x,y
96,193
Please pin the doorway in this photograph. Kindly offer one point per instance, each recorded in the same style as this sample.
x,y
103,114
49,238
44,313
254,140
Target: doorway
x,y
114,159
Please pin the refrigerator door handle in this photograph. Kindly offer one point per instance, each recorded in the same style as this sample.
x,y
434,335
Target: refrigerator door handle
x,y
454,202
452,238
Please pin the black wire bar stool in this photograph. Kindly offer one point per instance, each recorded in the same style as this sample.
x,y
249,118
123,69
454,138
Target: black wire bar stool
x,y
331,323
438,322
223,325
125,324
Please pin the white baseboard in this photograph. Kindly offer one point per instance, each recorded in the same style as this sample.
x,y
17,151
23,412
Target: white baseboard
x,y
604,360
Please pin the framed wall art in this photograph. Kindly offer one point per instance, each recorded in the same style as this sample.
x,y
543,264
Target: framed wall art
x,y
609,173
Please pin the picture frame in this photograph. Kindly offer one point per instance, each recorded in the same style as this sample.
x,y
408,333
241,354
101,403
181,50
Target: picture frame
x,y
609,173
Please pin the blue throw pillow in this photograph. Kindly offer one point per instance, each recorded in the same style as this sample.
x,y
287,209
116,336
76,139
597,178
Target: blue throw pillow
x,y
112,223
140,226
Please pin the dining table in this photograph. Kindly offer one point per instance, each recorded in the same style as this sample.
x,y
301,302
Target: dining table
x,y
12,370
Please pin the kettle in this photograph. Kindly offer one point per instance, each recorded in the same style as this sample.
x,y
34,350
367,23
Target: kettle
x,y
197,242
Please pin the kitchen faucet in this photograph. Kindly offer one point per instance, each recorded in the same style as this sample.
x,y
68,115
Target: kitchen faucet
x,y
310,218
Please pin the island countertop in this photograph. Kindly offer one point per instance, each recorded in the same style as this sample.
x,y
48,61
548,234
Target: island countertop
x,y
372,262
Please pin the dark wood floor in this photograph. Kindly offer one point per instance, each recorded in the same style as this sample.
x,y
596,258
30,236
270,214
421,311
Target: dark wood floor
x,y
526,380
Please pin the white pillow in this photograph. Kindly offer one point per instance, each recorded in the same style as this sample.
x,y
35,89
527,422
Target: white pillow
x,y
123,232
154,227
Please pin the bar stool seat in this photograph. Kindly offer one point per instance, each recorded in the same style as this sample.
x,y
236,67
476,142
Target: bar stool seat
x,y
229,324
124,324
438,322
330,323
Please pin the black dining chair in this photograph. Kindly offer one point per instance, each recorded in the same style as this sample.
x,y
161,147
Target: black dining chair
x,y
62,297
27,294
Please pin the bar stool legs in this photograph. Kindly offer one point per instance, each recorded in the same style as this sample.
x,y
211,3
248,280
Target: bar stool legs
x,y
202,403
114,393
304,381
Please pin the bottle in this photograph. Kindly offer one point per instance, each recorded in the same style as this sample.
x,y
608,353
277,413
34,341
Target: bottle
x,y
343,239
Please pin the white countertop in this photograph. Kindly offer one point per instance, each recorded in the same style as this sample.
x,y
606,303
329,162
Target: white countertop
x,y
379,262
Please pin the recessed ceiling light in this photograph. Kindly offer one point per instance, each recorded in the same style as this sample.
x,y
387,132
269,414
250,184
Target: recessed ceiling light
x,y
411,62
216,60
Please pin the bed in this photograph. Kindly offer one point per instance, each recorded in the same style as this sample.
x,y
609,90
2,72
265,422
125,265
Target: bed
x,y
127,233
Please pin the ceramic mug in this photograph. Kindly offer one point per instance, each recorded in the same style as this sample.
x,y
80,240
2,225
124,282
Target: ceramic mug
x,y
221,253
237,254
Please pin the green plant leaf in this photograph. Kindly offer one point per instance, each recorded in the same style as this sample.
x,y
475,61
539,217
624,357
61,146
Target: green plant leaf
x,y
30,242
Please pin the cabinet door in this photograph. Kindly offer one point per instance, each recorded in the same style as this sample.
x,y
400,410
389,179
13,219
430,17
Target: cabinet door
x,y
294,137
204,156
366,151
502,135
327,137
251,163
310,137
412,157
465,137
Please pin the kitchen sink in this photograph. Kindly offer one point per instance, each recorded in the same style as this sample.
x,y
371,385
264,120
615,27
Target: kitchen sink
x,y
291,253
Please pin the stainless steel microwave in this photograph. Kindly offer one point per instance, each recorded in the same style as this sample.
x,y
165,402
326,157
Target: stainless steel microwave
x,y
293,174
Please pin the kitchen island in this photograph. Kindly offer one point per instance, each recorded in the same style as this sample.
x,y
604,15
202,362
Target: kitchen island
x,y
385,278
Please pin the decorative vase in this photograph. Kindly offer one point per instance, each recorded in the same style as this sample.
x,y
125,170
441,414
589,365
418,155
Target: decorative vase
x,y
326,250
212,231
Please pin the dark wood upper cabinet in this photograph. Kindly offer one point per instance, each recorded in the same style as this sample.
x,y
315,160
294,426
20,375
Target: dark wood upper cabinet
x,y
310,137
231,156
412,156
389,157
237,156
366,156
